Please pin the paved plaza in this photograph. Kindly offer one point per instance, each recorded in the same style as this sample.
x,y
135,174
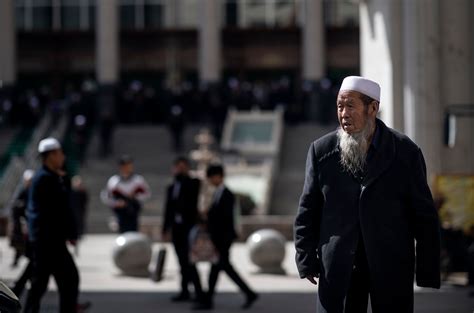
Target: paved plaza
x,y
111,292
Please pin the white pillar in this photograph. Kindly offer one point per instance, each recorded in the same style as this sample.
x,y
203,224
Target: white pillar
x,y
107,46
209,41
381,55
456,80
313,41
7,43
422,88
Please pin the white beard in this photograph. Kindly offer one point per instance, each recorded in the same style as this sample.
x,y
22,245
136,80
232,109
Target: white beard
x,y
354,148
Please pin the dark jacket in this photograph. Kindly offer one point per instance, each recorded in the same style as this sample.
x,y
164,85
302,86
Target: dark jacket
x,y
220,220
184,206
391,208
18,237
50,218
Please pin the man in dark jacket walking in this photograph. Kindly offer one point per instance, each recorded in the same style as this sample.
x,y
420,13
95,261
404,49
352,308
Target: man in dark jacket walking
x,y
364,203
220,224
50,225
181,214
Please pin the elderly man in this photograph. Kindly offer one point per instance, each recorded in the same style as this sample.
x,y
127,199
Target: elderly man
x,y
365,202
50,225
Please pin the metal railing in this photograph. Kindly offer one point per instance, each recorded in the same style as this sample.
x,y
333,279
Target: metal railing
x,y
11,183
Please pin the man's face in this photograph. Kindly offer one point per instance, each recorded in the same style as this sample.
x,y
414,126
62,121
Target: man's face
x,y
180,168
126,169
215,180
56,158
352,113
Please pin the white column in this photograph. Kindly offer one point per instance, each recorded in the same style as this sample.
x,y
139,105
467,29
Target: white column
x,y
456,80
107,46
313,41
422,87
7,43
381,55
209,41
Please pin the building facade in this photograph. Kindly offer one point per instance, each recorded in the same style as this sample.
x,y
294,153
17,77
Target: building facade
x,y
203,41
420,51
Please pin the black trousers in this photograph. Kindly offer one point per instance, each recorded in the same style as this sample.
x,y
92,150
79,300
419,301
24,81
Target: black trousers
x,y
189,273
53,260
224,265
127,220
357,297
23,279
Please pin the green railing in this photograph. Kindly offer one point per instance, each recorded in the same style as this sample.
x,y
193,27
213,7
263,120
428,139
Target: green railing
x,y
16,147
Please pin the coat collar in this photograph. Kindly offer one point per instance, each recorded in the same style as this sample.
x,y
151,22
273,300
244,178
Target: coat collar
x,y
384,155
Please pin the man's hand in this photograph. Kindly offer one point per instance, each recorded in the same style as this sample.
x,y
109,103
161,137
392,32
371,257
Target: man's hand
x,y
312,279
120,204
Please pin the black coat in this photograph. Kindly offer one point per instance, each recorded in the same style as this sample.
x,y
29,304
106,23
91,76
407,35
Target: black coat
x,y
391,208
184,206
220,221
49,215
18,215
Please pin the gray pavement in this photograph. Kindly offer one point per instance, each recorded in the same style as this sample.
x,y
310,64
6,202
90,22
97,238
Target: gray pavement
x,y
112,292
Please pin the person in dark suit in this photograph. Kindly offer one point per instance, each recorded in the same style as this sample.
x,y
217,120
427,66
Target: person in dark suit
x,y
19,237
364,203
181,214
220,225
50,225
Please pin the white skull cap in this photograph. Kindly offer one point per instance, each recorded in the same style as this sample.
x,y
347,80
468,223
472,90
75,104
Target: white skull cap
x,y
363,85
48,144
28,174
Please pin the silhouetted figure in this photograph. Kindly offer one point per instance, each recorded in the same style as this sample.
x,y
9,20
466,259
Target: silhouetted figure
x,y
220,225
50,225
106,129
19,238
181,215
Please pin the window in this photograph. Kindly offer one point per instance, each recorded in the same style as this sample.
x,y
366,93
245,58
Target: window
x,y
55,14
71,14
341,13
42,15
127,14
261,13
154,14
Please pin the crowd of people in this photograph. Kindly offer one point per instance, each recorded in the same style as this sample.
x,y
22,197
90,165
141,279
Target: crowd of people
x,y
138,102
343,239
125,193
49,215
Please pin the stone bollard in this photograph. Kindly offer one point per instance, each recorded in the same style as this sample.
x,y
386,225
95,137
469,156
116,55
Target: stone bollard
x,y
267,250
132,254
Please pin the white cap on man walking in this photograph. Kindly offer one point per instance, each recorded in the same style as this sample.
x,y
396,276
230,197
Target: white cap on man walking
x,y
48,144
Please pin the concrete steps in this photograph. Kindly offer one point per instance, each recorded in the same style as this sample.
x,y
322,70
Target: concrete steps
x,y
151,148
290,179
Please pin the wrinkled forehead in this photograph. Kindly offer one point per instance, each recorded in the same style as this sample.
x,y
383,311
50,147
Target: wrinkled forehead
x,y
348,96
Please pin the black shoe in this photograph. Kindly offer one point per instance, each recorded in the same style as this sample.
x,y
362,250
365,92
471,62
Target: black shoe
x,y
83,307
251,298
202,306
181,297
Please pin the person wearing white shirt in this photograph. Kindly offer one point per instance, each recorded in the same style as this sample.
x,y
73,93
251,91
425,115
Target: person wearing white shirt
x,y
125,194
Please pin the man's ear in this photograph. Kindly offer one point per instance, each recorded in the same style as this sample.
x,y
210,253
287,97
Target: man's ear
x,y
375,106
